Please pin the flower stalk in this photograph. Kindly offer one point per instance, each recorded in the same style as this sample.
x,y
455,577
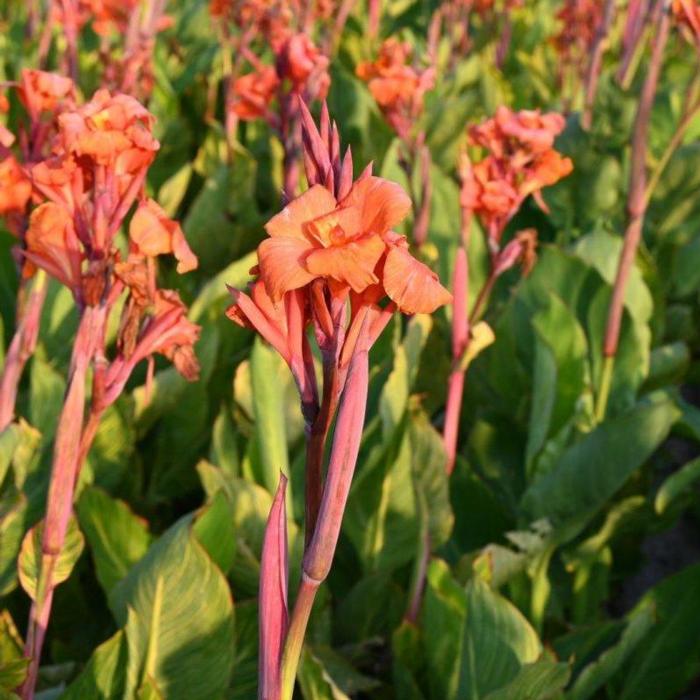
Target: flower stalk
x,y
636,203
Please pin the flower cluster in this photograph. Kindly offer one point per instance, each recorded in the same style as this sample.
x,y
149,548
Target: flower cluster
x,y
579,20
96,171
397,86
520,161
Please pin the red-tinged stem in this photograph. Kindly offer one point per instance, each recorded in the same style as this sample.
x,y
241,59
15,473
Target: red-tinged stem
x,y
21,348
319,554
460,338
374,13
70,30
636,204
316,446
59,501
482,298
596,63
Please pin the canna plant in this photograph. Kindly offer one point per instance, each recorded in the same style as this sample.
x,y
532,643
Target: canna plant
x,y
520,160
91,181
333,264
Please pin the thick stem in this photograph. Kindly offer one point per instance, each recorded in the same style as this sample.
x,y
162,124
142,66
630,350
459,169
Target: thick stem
x,y
319,554
59,501
291,140
636,204
295,635
460,339
21,349
596,62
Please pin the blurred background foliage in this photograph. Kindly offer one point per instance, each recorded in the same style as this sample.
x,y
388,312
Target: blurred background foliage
x,y
566,553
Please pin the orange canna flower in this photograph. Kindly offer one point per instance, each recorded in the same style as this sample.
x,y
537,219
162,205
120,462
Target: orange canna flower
x,y
52,244
154,233
15,187
397,87
348,243
254,92
521,161
302,62
40,91
112,130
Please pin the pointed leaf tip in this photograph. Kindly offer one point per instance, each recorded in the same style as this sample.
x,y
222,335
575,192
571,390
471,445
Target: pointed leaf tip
x,y
273,616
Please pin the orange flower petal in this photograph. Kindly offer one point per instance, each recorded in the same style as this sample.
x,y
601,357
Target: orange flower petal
x,y
337,226
310,205
384,204
414,287
282,264
352,264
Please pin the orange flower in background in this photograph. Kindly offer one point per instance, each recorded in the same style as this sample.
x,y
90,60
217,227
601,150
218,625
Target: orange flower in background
x,y
40,91
521,160
111,129
15,187
302,62
154,233
254,92
350,244
398,87
579,21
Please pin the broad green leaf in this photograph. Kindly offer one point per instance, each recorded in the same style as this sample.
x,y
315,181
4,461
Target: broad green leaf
x,y
669,658
679,483
104,675
117,538
598,672
406,660
443,620
176,582
594,469
498,641
30,557
215,530
269,408
542,680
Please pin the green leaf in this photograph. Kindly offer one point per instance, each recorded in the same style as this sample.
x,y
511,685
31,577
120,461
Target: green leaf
x,y
13,520
598,672
315,682
269,409
215,530
594,469
676,485
172,191
30,557
542,680
178,613
669,658
475,640
104,675
498,641
117,538
13,664
46,390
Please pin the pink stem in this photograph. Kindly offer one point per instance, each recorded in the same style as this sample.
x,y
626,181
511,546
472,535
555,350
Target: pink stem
x,y
21,349
59,501
636,202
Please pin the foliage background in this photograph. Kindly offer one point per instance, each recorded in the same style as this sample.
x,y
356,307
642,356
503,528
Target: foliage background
x,y
565,552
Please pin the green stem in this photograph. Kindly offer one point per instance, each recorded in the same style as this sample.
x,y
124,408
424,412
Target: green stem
x,y
604,388
295,635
